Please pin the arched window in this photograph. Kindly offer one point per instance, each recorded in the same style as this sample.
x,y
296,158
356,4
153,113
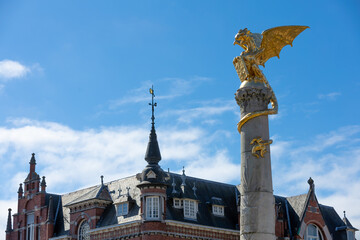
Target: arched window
x,y
84,231
313,233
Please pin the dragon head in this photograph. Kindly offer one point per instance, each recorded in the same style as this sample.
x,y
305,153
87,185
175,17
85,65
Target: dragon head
x,y
242,38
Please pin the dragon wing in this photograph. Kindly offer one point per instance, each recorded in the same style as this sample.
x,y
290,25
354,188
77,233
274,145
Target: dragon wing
x,y
274,39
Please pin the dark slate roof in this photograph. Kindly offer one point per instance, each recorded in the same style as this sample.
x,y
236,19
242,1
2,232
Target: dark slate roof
x,y
56,214
348,224
296,208
333,221
109,216
293,218
152,155
206,192
100,192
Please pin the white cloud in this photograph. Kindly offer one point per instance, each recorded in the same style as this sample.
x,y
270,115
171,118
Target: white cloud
x,y
71,159
332,160
4,206
329,96
203,113
177,87
11,69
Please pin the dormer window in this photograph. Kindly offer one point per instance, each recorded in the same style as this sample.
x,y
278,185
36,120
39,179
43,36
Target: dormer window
x,y
178,203
218,210
190,208
123,209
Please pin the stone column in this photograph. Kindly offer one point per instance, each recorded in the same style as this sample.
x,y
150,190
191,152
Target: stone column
x,y
257,214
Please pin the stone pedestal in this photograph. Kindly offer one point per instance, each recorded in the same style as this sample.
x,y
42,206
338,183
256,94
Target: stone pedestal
x,y
257,214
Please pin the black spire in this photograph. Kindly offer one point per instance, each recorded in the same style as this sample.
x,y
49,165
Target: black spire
x,y
43,182
152,155
32,160
8,226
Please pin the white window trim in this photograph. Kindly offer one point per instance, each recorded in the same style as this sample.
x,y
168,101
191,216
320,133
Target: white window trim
x,y
178,203
87,236
152,207
121,205
30,233
313,237
188,213
350,235
218,210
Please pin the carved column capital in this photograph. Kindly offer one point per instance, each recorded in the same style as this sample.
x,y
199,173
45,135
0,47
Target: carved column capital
x,y
253,97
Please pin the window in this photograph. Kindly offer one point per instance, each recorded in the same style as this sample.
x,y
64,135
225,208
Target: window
x,y
313,233
350,235
218,210
122,209
178,203
84,231
152,208
30,227
190,209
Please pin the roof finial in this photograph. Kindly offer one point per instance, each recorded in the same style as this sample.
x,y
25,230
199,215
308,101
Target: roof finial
x,y
102,180
311,183
173,186
194,189
32,160
153,105
183,177
152,155
344,214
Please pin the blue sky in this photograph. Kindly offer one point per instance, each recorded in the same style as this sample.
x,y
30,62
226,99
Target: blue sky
x,y
74,80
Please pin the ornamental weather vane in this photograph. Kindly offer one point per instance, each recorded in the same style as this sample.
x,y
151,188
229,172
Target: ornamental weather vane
x,y
258,49
153,105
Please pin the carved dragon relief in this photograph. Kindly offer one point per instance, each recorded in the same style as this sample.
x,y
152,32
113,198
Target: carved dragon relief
x,y
259,146
258,49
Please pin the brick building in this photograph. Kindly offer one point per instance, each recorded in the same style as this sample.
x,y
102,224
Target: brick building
x,y
156,204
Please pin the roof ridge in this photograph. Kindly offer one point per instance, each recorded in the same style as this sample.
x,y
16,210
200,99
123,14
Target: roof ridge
x,y
204,180
94,186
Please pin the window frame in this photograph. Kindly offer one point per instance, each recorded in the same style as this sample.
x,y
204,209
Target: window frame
x,y
190,208
81,233
30,226
350,235
313,237
152,207
122,205
178,203
218,210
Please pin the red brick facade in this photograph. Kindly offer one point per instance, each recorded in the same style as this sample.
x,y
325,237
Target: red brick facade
x,y
36,209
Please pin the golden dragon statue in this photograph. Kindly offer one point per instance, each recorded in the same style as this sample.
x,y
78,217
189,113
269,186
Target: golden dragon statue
x,y
258,49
